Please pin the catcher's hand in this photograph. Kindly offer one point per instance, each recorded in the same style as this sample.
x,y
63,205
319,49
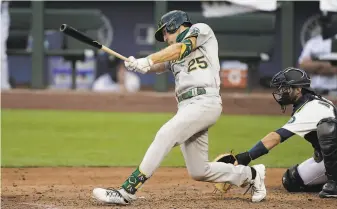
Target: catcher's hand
x,y
225,158
243,158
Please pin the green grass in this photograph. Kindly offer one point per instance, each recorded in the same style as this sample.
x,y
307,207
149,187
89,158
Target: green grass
x,y
65,138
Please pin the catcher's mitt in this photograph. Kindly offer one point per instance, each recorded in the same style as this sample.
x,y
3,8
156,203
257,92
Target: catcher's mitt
x,y
225,158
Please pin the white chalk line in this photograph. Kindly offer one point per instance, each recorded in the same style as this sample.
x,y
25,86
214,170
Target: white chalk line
x,y
40,205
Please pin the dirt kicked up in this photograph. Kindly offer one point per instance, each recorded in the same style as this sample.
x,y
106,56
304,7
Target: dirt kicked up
x,y
65,188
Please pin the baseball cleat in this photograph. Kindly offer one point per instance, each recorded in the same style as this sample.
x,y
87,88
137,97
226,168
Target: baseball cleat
x,y
259,191
329,190
113,196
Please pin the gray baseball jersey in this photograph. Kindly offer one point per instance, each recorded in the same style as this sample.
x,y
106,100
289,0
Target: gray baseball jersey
x,y
189,126
201,67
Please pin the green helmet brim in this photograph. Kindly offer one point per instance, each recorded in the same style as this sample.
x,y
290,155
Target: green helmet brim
x,y
159,33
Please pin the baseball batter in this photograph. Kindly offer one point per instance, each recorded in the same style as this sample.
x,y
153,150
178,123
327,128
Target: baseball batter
x,y
314,119
192,57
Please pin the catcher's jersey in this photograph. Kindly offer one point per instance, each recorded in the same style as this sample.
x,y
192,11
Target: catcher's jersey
x,y
201,67
305,118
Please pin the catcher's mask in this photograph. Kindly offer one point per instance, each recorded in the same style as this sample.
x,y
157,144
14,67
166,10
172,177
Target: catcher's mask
x,y
286,80
171,21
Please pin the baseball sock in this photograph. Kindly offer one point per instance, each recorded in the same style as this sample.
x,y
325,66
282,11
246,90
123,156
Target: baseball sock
x,y
253,172
134,182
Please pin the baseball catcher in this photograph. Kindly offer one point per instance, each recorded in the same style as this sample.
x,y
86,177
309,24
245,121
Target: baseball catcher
x,y
314,119
192,57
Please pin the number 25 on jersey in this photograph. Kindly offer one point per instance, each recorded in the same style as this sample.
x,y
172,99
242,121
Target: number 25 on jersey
x,y
196,63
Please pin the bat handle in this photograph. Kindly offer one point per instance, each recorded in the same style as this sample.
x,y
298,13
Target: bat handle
x,y
109,51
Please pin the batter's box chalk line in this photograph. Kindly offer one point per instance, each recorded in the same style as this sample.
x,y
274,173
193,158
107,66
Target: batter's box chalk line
x,y
41,205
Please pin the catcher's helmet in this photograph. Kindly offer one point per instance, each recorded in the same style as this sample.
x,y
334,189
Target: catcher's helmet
x,y
291,77
171,21
286,79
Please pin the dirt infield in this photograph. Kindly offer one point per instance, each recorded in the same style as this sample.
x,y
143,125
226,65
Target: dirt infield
x,y
140,102
233,103
65,188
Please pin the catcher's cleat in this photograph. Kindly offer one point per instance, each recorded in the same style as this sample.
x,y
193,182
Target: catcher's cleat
x,y
257,185
329,190
225,158
113,196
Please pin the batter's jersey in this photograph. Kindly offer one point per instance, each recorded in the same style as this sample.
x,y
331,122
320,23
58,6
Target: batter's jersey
x,y
305,118
201,67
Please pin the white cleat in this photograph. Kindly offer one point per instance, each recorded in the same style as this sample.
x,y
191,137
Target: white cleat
x,y
113,196
259,191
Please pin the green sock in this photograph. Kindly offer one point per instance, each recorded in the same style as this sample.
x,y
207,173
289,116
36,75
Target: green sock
x,y
134,182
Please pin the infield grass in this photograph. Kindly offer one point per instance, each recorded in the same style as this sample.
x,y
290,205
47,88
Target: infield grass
x,y
66,138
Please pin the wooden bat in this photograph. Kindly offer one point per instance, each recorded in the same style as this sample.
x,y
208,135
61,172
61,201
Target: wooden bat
x,y
70,31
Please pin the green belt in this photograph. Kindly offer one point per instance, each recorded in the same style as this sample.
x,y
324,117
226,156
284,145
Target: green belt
x,y
191,93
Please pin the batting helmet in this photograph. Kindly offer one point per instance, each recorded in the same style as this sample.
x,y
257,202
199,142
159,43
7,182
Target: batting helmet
x,y
171,21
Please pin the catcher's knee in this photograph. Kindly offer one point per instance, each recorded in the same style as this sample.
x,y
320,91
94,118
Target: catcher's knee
x,y
293,182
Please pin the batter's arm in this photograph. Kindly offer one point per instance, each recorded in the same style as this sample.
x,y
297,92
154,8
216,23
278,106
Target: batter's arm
x,y
176,51
158,68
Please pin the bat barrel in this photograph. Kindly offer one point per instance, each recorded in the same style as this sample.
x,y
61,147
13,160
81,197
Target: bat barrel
x,y
70,31
63,27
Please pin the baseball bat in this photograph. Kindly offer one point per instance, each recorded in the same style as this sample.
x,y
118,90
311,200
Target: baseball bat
x,y
70,31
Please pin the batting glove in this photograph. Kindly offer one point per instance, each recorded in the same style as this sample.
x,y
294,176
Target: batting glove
x,y
131,64
143,65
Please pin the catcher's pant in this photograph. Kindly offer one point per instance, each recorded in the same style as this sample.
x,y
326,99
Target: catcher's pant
x,y
312,173
189,129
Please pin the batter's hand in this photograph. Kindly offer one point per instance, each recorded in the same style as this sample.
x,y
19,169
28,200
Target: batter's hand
x,y
131,64
143,65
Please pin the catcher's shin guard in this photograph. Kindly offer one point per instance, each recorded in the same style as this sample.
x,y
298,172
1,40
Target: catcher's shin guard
x,y
327,138
292,182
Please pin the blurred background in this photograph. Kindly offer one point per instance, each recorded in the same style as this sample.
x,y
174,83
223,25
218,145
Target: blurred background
x,y
256,40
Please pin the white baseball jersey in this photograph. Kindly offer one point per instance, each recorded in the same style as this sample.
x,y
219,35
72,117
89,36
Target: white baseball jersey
x,y
316,46
306,115
201,67
5,21
305,118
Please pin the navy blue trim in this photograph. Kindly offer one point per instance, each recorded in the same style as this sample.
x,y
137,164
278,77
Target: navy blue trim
x,y
258,150
284,133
